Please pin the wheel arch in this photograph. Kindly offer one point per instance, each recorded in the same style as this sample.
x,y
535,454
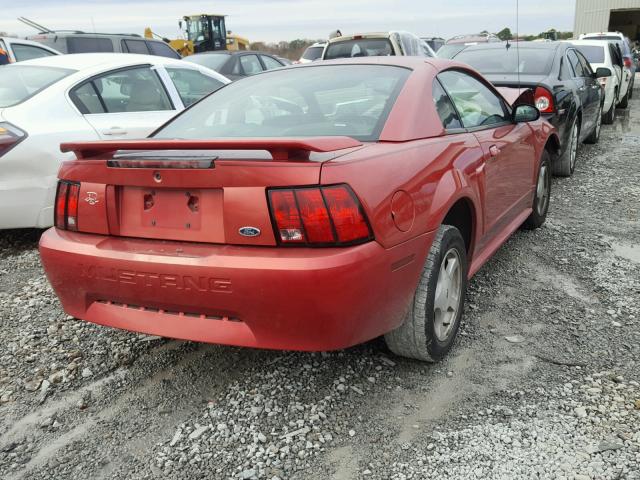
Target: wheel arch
x,y
462,214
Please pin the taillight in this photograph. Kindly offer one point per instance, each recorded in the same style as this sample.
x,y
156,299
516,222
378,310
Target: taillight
x,y
10,136
627,62
66,214
544,100
318,216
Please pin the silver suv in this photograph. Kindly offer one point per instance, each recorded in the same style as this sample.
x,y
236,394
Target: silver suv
x,y
81,42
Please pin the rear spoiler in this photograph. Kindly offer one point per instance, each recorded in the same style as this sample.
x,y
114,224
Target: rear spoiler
x,y
279,148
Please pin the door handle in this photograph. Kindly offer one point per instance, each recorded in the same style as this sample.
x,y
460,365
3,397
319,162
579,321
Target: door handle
x,y
494,150
115,131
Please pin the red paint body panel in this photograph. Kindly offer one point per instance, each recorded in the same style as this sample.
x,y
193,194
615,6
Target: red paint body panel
x,y
207,282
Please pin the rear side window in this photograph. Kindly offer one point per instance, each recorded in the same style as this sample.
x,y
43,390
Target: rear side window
x,y
270,63
27,52
444,107
131,90
250,64
586,68
21,82
89,44
161,49
477,104
313,53
364,47
192,85
135,46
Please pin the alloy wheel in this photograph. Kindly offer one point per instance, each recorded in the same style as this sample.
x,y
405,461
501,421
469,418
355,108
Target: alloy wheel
x,y
448,291
542,190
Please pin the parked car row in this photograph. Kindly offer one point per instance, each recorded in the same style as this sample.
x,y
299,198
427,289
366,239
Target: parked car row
x,y
380,178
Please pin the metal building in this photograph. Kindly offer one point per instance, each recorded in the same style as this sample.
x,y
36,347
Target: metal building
x,y
608,16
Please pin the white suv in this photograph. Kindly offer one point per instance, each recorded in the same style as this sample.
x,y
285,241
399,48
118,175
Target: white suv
x,y
376,45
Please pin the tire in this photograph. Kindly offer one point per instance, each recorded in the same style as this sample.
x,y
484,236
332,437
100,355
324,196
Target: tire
x,y
424,334
594,136
624,103
542,195
610,116
566,163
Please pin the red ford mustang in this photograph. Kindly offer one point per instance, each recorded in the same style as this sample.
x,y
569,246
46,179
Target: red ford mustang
x,y
308,208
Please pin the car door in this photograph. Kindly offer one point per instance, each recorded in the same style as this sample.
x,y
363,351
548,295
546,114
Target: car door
x,y
581,87
507,170
594,92
124,103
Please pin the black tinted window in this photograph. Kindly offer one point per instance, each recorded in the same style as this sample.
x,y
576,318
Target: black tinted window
x,y
135,46
477,104
89,44
162,50
446,111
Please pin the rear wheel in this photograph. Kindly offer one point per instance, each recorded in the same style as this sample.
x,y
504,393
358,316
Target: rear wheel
x,y
624,103
610,116
594,136
431,324
566,163
542,195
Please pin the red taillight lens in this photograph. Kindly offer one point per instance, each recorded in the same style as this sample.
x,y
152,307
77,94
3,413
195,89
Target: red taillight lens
x,y
346,214
627,62
318,216
544,100
10,136
66,214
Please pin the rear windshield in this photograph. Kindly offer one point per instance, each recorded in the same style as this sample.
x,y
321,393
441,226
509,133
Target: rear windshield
x,y
320,100
214,61
21,82
602,37
364,47
312,53
449,50
594,54
532,61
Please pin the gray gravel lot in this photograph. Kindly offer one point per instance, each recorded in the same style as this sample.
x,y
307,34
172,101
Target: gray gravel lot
x,y
543,381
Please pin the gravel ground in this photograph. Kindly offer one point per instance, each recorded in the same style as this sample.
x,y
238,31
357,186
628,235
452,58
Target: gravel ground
x,y
543,381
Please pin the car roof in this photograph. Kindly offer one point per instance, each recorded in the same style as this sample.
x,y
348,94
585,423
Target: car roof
x,y
345,38
514,45
231,53
79,61
412,62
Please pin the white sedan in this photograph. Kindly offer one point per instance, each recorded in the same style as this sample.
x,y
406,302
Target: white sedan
x,y
91,96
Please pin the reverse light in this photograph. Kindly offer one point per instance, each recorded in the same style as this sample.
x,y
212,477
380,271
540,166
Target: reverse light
x,y
318,216
10,136
66,212
544,100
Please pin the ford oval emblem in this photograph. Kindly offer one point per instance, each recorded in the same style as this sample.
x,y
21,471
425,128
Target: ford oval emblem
x,y
249,231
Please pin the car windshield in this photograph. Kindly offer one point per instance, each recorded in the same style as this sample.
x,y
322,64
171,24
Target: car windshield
x,y
312,53
448,51
21,82
214,61
363,47
593,53
321,100
531,61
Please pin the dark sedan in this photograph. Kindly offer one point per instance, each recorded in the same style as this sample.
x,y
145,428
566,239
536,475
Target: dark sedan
x,y
566,89
236,65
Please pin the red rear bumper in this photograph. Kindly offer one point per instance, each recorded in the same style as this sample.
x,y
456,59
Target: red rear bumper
x,y
283,298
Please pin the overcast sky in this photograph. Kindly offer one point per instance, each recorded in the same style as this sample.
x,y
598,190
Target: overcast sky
x,y
289,19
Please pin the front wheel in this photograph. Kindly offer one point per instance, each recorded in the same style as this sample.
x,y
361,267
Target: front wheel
x,y
431,324
542,195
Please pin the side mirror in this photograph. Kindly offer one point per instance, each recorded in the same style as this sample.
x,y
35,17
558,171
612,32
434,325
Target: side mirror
x,y
525,113
603,72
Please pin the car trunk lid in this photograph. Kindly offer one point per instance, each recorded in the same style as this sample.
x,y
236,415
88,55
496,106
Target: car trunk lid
x,y
211,191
